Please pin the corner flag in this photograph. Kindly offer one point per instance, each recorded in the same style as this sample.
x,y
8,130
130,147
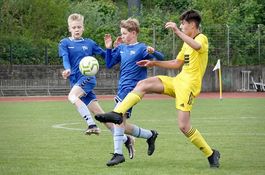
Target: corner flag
x,y
218,66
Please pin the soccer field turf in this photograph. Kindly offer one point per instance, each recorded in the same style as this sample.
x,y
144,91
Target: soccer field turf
x,y
47,138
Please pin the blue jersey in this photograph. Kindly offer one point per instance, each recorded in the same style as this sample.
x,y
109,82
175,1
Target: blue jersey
x,y
130,72
72,51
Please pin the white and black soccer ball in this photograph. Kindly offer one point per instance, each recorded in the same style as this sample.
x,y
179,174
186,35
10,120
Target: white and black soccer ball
x,y
89,66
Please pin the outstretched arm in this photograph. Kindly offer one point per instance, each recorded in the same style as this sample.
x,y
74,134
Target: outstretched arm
x,y
171,64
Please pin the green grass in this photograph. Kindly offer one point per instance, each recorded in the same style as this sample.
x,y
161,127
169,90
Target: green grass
x,y
29,144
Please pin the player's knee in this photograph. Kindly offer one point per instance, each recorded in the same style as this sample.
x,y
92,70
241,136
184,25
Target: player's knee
x,y
183,129
72,98
140,86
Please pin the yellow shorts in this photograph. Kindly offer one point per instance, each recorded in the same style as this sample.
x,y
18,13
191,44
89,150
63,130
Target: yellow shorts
x,y
175,87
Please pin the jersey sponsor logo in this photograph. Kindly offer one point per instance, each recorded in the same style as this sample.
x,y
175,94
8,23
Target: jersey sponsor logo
x,y
191,98
186,59
84,47
132,52
71,47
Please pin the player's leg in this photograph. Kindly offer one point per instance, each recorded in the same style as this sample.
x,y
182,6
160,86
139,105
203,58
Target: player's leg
x,y
83,94
74,97
197,139
138,132
128,141
95,108
149,85
184,105
118,143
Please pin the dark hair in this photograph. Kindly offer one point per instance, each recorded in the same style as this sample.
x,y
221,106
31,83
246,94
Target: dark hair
x,y
191,15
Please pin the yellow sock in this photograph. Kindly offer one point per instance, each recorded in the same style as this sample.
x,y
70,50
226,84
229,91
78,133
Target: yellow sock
x,y
196,138
129,101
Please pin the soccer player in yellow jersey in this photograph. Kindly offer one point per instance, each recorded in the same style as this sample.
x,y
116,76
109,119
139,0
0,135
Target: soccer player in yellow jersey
x,y
193,59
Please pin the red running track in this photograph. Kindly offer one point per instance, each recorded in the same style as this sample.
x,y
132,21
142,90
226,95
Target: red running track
x,y
214,95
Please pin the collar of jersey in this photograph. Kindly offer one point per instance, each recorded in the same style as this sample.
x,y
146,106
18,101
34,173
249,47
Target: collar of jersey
x,y
76,40
133,44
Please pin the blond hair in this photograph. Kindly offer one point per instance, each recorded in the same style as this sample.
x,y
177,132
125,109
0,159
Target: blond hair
x,y
131,24
75,17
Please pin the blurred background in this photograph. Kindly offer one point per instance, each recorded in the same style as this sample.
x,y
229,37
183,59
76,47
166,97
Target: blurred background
x,y
30,31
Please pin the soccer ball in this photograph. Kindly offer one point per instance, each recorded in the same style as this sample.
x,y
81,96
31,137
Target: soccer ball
x,y
89,66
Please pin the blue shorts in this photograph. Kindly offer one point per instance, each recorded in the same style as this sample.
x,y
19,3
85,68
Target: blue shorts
x,y
120,96
87,84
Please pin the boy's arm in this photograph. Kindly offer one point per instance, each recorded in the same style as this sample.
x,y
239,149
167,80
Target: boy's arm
x,y
112,57
63,53
156,54
190,41
117,42
152,53
111,54
171,64
66,62
97,50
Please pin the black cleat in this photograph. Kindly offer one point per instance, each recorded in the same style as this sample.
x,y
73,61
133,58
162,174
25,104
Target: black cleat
x,y
214,159
129,144
112,117
116,159
151,143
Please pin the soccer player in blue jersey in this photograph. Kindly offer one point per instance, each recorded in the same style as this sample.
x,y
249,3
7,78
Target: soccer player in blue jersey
x,y
127,54
192,60
72,50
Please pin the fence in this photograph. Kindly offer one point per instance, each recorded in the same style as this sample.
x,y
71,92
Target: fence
x,y
32,80
17,82
232,44
32,87
45,87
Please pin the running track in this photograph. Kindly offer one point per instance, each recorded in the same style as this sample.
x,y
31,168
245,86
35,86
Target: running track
x,y
149,96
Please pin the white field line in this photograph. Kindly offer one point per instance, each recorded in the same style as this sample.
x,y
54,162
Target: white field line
x,y
68,126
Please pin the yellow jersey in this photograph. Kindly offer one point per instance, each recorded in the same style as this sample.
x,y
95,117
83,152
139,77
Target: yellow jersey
x,y
195,63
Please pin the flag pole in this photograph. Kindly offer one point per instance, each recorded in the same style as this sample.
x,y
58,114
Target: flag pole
x,y
220,83
218,66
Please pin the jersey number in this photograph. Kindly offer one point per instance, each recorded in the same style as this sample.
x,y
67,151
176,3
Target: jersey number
x,y
186,59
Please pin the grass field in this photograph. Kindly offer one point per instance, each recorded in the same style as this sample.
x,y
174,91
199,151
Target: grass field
x,y
47,138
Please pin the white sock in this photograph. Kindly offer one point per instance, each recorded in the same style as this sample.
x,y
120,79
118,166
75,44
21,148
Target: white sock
x,y
141,133
84,112
118,139
125,138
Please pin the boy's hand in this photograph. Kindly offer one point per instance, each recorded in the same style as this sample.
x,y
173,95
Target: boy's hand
x,y
66,73
118,41
150,49
145,63
173,26
108,41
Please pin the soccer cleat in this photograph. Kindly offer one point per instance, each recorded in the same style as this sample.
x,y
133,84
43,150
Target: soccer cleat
x,y
112,117
129,144
92,129
214,159
116,159
151,142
